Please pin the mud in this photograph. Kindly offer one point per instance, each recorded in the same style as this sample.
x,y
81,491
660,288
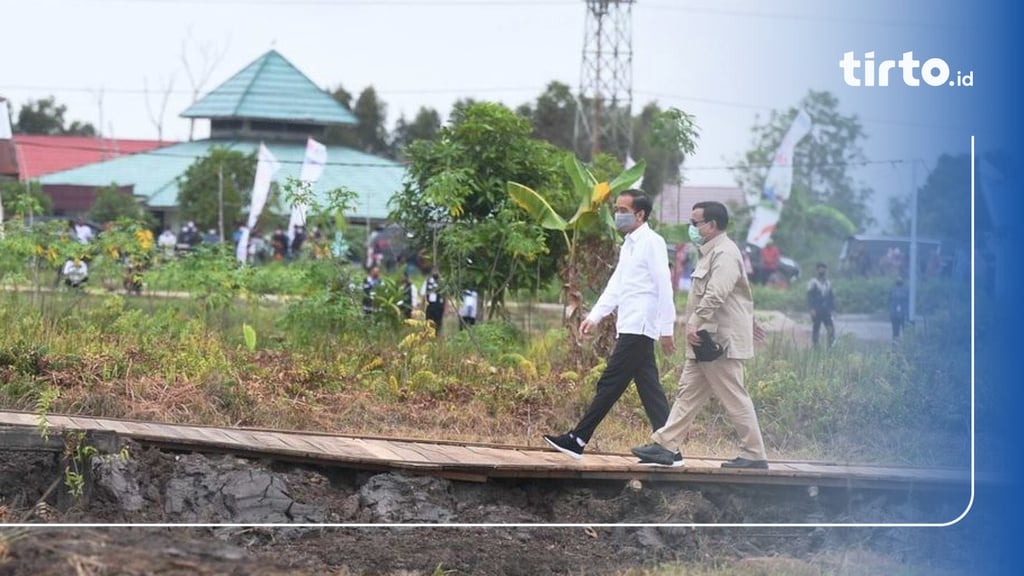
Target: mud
x,y
236,495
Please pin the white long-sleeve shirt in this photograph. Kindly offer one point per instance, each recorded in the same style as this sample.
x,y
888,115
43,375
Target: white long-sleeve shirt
x,y
640,287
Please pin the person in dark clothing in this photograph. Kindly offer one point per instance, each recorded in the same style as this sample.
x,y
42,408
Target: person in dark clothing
x,y
433,300
899,307
370,291
408,301
821,302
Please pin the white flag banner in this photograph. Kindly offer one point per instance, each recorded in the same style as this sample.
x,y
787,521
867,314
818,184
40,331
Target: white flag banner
x,y
242,249
312,167
629,164
266,167
5,121
778,184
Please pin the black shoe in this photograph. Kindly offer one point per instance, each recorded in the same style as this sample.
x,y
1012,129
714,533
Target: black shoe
x,y
677,461
655,453
742,462
567,444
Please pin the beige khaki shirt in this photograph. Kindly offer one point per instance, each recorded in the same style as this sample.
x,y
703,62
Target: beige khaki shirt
x,y
720,300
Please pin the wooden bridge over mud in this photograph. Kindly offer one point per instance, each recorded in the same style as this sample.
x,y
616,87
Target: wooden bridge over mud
x,y
475,462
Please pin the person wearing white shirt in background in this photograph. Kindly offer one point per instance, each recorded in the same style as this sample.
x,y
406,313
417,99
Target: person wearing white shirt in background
x,y
640,289
75,272
84,232
468,309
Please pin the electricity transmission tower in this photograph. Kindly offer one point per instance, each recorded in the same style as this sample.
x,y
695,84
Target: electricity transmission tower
x,y
604,111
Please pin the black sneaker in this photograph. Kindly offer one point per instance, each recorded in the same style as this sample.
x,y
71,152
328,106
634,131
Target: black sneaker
x,y
655,453
677,461
741,462
567,444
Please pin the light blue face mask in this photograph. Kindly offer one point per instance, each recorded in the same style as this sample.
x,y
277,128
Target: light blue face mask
x,y
695,236
624,220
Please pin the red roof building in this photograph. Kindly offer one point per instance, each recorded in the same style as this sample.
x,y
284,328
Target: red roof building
x,y
39,155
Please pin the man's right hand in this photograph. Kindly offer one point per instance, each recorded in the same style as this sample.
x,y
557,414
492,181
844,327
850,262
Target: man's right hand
x,y
586,326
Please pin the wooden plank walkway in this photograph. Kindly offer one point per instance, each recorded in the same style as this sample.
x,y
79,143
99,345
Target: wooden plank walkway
x,y
480,462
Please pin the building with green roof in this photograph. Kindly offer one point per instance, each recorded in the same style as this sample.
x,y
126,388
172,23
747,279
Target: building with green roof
x,y
269,101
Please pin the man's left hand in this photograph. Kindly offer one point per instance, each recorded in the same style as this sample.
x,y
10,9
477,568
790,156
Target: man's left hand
x,y
691,335
760,334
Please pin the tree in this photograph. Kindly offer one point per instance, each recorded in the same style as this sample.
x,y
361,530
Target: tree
x,y
112,205
454,202
425,126
663,138
45,116
343,135
943,201
371,114
197,188
18,201
822,162
553,115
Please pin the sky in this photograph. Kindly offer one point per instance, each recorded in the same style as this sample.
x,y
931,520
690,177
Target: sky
x,y
724,62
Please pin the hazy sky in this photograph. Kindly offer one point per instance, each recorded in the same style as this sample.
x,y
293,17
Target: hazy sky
x,y
723,61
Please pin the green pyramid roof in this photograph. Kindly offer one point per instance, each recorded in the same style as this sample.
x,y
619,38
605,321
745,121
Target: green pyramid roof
x,y
271,88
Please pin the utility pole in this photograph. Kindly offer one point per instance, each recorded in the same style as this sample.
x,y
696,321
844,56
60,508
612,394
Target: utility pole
x,y
913,241
220,200
604,107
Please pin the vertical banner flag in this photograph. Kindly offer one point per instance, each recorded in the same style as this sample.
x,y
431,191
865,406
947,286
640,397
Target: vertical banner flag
x,y
629,164
768,205
312,168
5,121
266,167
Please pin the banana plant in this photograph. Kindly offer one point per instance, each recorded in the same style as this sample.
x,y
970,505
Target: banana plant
x,y
593,211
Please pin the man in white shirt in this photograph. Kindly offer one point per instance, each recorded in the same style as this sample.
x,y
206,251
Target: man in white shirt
x,y
640,289
75,272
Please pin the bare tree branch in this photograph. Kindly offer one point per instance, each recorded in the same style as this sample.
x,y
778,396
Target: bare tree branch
x,y
210,57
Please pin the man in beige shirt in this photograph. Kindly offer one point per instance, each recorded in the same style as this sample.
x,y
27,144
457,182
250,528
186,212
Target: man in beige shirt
x,y
720,304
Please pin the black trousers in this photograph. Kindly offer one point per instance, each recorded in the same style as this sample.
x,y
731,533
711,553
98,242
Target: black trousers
x,y
826,319
632,359
435,313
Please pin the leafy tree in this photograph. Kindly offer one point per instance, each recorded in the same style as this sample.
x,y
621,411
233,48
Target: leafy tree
x,y
342,135
371,114
822,162
553,115
18,201
197,188
454,202
663,138
45,116
425,126
111,205
943,201
809,231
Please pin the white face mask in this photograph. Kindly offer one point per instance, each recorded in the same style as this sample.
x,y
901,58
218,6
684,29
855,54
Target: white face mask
x,y
624,220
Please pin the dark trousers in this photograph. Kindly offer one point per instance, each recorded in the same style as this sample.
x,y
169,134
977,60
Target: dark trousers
x,y
632,359
897,326
826,319
435,314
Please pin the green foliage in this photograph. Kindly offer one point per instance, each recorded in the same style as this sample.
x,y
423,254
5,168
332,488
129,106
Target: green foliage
x,y
250,337
663,138
19,202
112,205
454,200
197,187
45,116
943,203
553,115
425,126
822,163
